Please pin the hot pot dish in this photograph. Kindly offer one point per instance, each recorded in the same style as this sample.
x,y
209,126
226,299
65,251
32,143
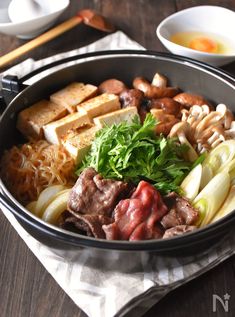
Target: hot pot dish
x,y
123,150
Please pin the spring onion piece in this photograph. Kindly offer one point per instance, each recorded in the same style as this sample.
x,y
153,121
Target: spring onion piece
x,y
56,207
191,183
209,200
228,205
217,160
45,198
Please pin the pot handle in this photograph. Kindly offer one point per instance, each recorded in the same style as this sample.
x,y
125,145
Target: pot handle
x,y
11,86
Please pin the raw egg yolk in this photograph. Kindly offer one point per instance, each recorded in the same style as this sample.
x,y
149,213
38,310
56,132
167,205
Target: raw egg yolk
x,y
203,44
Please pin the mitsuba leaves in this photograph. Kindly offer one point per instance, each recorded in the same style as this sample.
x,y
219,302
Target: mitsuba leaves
x,y
133,152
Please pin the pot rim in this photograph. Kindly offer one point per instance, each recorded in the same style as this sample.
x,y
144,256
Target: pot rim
x,y
10,203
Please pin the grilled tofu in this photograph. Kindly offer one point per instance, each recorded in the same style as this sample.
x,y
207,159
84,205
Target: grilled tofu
x,y
55,131
79,145
73,94
31,120
100,105
116,117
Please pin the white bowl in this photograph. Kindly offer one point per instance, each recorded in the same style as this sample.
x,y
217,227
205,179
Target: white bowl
x,y
30,27
209,19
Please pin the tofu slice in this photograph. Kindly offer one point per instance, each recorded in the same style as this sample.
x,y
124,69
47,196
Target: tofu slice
x,y
116,117
31,120
55,131
79,145
100,105
73,94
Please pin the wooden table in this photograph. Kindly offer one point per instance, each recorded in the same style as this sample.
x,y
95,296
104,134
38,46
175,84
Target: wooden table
x,y
27,290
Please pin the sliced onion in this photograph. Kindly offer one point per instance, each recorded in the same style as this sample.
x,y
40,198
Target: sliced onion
x,y
32,207
46,196
56,207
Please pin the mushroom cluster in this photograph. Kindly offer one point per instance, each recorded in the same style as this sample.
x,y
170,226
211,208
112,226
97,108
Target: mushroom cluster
x,y
188,116
205,128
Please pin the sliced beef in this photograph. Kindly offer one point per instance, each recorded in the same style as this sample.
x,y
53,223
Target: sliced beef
x,y
136,218
181,212
91,224
178,230
92,201
94,195
71,223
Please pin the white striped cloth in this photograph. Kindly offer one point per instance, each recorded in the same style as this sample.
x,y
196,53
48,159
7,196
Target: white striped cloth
x,y
112,288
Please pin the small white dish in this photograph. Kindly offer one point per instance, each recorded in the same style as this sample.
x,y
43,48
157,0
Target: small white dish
x,y
209,19
25,10
31,19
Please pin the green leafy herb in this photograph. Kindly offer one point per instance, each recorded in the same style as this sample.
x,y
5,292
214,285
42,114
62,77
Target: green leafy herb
x,y
133,152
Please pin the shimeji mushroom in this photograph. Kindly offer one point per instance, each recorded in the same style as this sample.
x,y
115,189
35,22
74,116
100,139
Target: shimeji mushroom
x,y
209,128
230,133
227,115
210,138
213,118
182,131
195,114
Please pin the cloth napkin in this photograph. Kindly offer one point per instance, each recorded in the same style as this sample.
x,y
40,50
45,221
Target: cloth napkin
x,y
112,288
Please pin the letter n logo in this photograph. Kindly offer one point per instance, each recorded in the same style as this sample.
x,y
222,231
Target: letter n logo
x,y
224,303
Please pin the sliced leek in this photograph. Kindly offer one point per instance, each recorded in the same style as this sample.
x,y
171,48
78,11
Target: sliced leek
x,y
45,197
228,205
227,157
191,155
230,168
209,200
56,207
207,175
191,183
217,160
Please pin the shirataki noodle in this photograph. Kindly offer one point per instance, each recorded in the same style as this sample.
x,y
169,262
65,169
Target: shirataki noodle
x,y
31,167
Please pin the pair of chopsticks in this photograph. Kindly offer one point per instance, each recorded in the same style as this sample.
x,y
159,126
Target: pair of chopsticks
x,y
86,16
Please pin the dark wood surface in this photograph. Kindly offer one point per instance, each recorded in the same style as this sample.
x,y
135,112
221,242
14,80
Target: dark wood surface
x,y
26,289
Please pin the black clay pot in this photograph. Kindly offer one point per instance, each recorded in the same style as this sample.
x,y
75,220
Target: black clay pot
x,y
213,84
